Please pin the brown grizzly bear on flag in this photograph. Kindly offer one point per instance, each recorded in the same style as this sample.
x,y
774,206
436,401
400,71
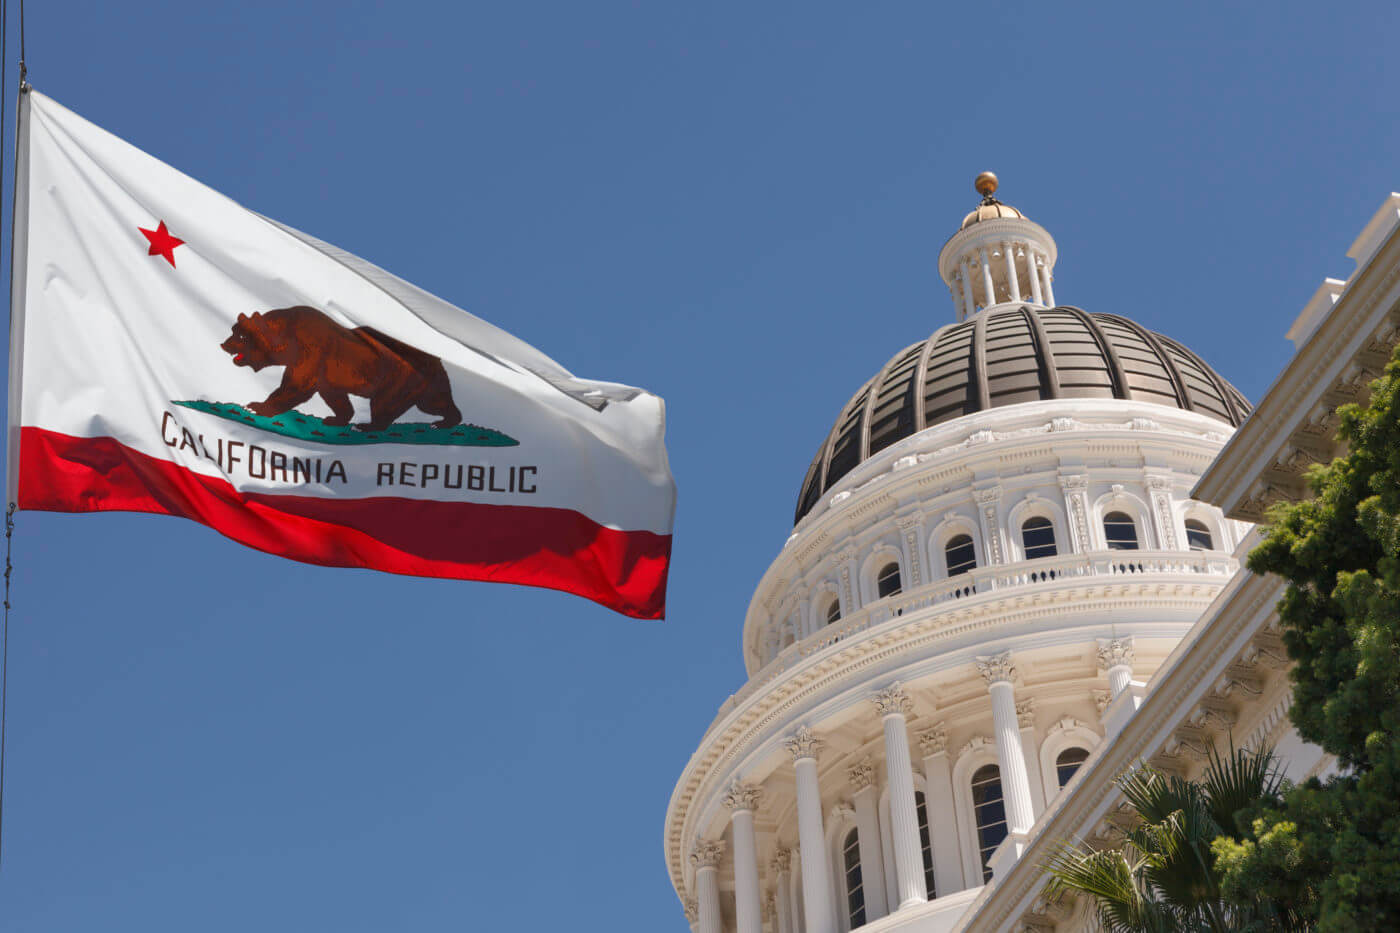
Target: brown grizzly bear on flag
x,y
323,358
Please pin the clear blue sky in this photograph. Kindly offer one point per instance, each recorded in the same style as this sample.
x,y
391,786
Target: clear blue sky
x,y
738,206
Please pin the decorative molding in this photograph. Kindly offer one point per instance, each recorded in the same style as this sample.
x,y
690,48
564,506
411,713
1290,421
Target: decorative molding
x,y
1065,724
707,854
1025,713
842,812
1101,698
742,796
933,741
782,861
861,775
1115,652
892,700
996,668
692,909
975,744
803,744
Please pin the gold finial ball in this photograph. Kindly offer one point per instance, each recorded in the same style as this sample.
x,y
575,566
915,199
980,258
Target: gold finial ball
x,y
986,184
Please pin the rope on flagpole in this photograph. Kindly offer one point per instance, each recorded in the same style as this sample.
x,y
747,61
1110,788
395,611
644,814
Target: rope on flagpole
x,y
5,665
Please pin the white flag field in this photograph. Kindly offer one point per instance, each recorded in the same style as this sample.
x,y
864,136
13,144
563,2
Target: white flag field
x,y
175,353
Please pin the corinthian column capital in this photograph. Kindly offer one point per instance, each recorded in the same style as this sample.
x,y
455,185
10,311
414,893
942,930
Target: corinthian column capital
x,y
893,699
707,853
861,775
742,796
933,741
1115,652
997,668
803,744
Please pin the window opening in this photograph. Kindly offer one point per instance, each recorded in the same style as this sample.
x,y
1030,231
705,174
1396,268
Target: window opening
x,y
925,842
1038,537
990,814
855,888
1198,536
1068,762
960,555
1120,532
887,583
833,610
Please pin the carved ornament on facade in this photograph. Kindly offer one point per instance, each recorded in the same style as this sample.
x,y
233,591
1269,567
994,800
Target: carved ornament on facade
x,y
707,854
1115,652
842,812
933,741
782,861
861,775
1066,724
893,699
1101,698
1025,713
742,796
997,668
975,744
692,909
803,744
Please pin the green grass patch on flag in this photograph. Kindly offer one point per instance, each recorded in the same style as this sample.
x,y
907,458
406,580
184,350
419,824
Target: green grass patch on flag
x,y
310,428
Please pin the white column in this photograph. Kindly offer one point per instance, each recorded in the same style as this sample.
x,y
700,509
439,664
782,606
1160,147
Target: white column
x,y
998,671
894,706
706,857
942,821
872,862
1116,657
1034,274
988,292
811,841
1025,719
1013,282
1049,292
742,800
965,276
782,871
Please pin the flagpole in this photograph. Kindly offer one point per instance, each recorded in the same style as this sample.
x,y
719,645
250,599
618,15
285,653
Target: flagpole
x,y
12,439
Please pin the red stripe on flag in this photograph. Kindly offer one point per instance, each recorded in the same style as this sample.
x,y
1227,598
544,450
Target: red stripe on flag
x,y
554,548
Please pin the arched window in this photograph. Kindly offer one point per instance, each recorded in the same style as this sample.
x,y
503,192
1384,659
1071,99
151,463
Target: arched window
x,y
990,814
960,555
1120,532
1038,537
833,610
926,843
887,582
855,889
1198,536
1068,762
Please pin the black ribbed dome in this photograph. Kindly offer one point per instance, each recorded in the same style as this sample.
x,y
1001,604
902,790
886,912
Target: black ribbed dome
x,y
1009,356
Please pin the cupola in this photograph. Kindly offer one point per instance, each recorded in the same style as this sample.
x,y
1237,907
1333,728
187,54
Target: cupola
x,y
998,256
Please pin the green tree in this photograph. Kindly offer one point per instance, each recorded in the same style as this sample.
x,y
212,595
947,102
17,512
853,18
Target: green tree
x,y
1340,553
1164,875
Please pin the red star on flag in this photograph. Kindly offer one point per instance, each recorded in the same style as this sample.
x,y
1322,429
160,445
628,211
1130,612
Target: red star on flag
x,y
162,243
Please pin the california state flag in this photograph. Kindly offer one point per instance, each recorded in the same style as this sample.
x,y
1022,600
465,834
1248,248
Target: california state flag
x,y
175,353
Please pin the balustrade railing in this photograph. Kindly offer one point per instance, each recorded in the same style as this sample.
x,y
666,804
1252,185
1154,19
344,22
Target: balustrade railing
x,y
985,580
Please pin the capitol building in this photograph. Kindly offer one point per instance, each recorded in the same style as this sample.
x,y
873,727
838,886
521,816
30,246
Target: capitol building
x,y
1015,572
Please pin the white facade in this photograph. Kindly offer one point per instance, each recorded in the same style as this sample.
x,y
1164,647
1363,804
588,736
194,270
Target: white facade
x,y
854,781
